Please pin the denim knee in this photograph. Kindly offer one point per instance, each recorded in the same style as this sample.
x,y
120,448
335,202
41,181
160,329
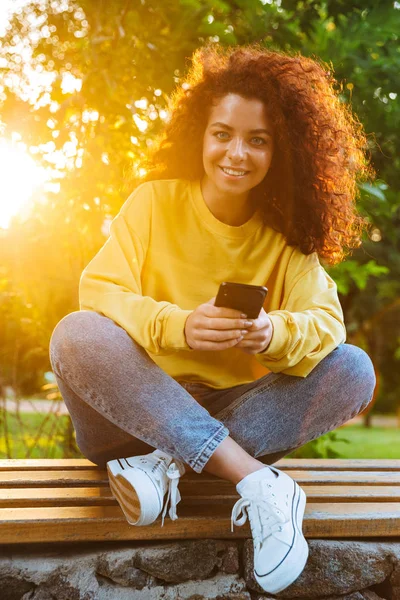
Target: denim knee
x,y
358,367
68,335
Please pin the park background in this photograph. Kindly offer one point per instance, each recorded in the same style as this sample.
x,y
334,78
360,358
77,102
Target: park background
x,y
84,92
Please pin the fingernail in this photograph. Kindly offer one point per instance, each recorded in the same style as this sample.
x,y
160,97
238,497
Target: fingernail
x,y
248,323
243,316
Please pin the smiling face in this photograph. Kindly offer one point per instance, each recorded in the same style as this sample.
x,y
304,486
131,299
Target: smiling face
x,y
238,137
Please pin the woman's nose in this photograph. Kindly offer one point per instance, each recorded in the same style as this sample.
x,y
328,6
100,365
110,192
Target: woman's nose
x,y
237,148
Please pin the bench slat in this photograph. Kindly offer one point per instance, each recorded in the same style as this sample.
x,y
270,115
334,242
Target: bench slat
x,y
306,478
50,464
99,496
46,500
53,478
56,524
99,477
33,497
331,464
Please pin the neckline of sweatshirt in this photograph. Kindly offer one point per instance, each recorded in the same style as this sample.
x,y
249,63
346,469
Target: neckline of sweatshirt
x,y
216,226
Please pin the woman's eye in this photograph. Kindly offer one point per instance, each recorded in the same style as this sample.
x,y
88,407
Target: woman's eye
x,y
219,132
260,141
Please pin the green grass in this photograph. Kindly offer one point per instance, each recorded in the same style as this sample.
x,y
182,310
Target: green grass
x,y
353,441
54,441
358,442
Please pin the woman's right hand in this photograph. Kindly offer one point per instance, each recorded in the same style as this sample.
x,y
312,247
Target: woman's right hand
x,y
211,327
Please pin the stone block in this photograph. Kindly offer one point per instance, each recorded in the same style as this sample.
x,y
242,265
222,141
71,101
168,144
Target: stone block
x,y
219,587
196,570
117,565
62,577
181,561
335,568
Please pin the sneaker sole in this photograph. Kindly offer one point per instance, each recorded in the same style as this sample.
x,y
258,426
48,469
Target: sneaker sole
x,y
132,495
295,561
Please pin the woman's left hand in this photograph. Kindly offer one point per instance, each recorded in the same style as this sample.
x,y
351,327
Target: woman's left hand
x,y
259,335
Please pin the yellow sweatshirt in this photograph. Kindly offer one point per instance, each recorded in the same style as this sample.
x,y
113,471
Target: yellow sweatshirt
x,y
167,253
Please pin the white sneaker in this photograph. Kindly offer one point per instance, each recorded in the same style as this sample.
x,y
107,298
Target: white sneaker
x,y
139,483
275,508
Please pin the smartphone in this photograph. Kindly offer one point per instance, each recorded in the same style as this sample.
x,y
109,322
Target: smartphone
x,y
249,299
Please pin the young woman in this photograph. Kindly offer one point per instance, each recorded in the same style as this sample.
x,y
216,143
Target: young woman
x,y
253,181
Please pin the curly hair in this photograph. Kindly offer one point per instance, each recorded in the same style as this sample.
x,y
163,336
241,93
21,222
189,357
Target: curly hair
x,y
320,149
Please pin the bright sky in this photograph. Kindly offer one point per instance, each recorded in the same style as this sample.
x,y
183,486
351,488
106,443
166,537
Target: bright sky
x,y
6,7
16,192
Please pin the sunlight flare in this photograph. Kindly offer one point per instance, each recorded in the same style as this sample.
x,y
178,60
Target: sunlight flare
x,y
20,178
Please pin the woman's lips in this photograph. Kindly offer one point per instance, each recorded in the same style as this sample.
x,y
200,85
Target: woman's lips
x,y
233,176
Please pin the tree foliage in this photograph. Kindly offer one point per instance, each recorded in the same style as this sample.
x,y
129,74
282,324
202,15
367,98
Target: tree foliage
x,y
86,84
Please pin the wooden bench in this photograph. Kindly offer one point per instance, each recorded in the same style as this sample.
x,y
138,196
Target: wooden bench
x,y
69,500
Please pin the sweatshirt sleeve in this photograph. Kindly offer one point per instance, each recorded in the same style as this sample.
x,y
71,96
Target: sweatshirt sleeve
x,y
308,326
111,285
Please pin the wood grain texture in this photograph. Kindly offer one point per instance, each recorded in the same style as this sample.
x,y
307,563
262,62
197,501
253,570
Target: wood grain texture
x,y
321,520
84,477
101,496
70,500
332,464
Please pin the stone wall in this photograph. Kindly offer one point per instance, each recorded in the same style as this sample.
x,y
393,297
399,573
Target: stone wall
x,y
194,570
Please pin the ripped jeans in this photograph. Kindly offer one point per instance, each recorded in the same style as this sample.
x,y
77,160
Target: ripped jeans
x,y
122,404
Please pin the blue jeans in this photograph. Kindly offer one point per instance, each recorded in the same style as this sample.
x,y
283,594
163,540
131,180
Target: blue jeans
x,y
122,404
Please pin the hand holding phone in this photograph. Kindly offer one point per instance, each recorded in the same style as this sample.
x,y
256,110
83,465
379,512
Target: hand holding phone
x,y
249,299
210,327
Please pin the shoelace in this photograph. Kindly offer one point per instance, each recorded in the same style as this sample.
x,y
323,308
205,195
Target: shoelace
x,y
173,495
264,520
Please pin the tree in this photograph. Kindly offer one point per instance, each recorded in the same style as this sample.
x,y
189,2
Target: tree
x,y
107,70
